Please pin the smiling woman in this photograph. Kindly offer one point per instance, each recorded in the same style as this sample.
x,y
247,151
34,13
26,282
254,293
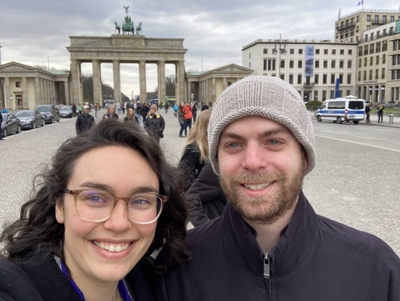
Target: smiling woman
x,y
89,230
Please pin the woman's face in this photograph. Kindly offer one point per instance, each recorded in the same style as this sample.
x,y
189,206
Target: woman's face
x,y
88,245
111,110
130,112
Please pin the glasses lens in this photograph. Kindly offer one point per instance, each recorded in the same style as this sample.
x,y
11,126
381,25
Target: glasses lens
x,y
94,205
144,208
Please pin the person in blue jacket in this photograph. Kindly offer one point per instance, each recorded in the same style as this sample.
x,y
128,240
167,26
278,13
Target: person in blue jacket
x,y
269,244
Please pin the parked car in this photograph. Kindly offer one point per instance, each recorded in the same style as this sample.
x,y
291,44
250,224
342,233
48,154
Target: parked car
x,y
66,111
30,119
50,113
10,124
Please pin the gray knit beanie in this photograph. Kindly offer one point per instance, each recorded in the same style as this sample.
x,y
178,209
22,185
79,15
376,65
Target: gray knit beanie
x,y
264,96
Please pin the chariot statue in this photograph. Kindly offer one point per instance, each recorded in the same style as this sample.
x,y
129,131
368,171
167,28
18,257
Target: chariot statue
x,y
128,25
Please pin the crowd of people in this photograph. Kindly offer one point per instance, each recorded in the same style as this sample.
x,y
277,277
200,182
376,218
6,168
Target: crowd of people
x,y
118,232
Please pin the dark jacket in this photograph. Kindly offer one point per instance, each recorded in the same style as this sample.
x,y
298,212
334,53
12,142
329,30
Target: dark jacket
x,y
107,116
154,125
83,123
315,259
205,198
46,282
190,164
131,119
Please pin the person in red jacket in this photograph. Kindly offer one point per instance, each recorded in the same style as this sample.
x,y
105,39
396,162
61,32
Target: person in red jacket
x,y
188,115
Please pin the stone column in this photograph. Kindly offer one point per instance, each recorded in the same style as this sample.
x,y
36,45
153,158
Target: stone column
x,y
7,102
37,91
53,92
75,81
161,82
213,90
180,81
224,83
97,91
117,81
66,93
142,81
25,100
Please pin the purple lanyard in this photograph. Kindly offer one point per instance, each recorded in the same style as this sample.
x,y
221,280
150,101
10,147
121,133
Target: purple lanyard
x,y
122,289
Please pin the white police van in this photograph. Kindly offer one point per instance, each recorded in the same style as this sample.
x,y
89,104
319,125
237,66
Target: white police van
x,y
338,110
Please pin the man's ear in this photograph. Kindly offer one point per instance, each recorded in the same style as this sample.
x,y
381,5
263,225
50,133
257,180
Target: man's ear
x,y
59,212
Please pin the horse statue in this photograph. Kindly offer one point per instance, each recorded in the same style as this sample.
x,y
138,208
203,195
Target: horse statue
x,y
139,28
128,26
117,27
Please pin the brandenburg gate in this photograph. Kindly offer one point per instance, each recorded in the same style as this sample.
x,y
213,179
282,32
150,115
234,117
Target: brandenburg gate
x,y
120,48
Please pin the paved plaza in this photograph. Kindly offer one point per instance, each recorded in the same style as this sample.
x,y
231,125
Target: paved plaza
x,y
356,180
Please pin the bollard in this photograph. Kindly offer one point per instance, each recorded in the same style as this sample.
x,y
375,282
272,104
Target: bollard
x,y
390,118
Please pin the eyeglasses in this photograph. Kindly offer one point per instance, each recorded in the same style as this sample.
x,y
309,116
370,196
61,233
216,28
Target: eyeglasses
x,y
95,205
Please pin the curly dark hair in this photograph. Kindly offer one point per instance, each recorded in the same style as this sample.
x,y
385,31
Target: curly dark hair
x,y
36,233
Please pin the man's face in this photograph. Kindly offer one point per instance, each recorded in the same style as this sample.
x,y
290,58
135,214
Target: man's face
x,y
86,111
261,168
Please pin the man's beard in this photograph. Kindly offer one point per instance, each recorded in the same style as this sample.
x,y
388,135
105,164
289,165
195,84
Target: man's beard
x,y
269,208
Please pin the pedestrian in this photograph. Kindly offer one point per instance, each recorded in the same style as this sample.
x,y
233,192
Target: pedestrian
x,y
181,120
118,107
205,107
205,198
73,110
1,122
194,113
380,113
187,115
130,117
123,108
367,112
195,151
175,110
138,112
155,124
95,110
65,246
166,107
269,244
110,113
4,110
145,110
84,121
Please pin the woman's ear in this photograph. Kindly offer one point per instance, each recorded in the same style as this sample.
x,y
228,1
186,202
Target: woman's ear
x,y
60,212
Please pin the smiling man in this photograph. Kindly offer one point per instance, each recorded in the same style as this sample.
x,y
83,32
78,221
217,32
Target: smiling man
x,y
269,244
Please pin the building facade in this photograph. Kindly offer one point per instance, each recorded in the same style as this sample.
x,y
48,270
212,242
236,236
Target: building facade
x,y
313,68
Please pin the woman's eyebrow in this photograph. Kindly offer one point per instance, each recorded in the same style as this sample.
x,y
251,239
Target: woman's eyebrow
x,y
108,188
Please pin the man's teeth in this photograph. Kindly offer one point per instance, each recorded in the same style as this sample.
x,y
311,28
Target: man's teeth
x,y
257,186
111,247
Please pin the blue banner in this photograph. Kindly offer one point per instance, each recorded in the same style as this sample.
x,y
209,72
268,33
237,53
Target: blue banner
x,y
309,60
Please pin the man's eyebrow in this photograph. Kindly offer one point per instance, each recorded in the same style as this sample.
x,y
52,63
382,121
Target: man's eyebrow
x,y
264,134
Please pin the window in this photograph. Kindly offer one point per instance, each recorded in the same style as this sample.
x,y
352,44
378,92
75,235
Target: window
x,y
377,60
282,63
378,47
341,78
359,76
316,78
384,45
349,64
317,64
349,78
325,51
325,64
249,55
291,64
332,93
365,75
249,64
366,38
315,95
371,60
348,92
333,64
383,58
291,79
371,48
368,18
324,78
300,51
291,51
17,84
370,75
341,51
341,64
282,76
360,51
350,51
383,73
269,64
265,51
323,95
333,79
299,79
333,51
316,51
376,73
366,50
384,19
365,62
300,64
359,63
391,18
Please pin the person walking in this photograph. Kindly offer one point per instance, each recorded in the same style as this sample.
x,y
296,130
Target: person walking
x,y
84,121
73,110
130,117
194,113
123,106
380,113
181,120
154,123
95,109
367,112
175,109
269,244
110,113
118,107
195,151
187,115
166,107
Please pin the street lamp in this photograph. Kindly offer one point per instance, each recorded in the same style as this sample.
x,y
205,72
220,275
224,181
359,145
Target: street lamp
x,y
280,48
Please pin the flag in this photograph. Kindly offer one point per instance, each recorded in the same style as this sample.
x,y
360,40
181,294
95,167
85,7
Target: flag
x,y
361,2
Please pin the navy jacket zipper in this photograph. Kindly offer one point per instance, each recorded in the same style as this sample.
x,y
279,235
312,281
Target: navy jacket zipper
x,y
267,273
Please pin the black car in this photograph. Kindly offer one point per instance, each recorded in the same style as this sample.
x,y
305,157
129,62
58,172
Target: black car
x,y
11,124
66,111
50,113
30,119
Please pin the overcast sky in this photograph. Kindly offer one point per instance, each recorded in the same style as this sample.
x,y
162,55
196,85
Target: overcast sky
x,y
36,32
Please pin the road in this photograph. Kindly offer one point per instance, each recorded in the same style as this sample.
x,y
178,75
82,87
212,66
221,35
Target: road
x,y
356,180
